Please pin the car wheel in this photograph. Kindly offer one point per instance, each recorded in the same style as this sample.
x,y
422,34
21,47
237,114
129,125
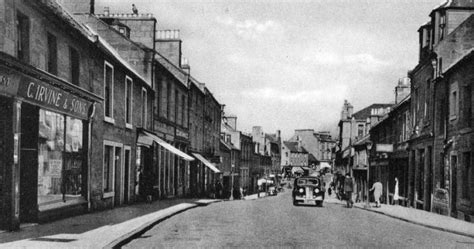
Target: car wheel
x,y
319,204
295,203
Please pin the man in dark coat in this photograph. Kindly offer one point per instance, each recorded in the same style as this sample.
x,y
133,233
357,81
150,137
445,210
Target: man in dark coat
x,y
348,189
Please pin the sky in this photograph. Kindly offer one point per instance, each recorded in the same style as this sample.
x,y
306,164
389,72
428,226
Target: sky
x,y
290,64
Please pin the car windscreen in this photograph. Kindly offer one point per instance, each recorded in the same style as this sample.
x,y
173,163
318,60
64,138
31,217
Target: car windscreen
x,y
308,181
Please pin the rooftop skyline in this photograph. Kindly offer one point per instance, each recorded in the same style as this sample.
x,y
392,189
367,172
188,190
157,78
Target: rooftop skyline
x,y
287,65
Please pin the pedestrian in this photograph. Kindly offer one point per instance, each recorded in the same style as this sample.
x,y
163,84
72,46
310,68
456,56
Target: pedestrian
x,y
377,188
348,189
241,193
396,197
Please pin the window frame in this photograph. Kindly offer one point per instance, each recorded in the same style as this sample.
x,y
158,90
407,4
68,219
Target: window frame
x,y
52,53
75,70
144,107
453,101
109,118
129,122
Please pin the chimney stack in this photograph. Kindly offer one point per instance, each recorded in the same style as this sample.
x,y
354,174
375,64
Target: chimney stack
x,y
402,90
78,6
168,44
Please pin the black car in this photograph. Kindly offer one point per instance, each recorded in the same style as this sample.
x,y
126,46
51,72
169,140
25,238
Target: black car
x,y
308,190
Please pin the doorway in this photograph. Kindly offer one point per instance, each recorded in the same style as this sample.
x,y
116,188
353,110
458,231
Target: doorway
x,y
454,185
118,195
29,163
126,184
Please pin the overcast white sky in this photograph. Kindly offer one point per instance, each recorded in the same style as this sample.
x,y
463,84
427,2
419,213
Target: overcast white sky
x,y
290,64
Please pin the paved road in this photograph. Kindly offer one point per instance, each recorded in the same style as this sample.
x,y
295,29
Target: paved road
x,y
275,222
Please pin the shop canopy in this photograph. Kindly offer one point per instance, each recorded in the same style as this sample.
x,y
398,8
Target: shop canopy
x,y
323,165
206,162
147,138
262,181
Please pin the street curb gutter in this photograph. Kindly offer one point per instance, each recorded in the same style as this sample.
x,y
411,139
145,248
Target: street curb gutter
x,y
124,239
411,221
419,223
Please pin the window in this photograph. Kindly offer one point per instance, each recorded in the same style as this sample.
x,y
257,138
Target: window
x,y
467,102
177,117
23,37
183,110
360,131
168,100
453,101
465,175
75,67
108,92
60,158
128,101
144,107
52,54
442,26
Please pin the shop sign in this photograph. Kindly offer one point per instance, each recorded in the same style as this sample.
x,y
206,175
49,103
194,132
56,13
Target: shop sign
x,y
180,133
49,96
8,81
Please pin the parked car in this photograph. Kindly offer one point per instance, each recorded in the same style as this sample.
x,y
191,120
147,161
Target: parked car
x,y
308,190
272,190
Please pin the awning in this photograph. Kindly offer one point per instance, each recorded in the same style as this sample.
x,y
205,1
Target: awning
x,y
324,165
206,162
147,138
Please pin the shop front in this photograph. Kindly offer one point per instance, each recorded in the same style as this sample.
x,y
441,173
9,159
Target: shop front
x,y
159,173
44,145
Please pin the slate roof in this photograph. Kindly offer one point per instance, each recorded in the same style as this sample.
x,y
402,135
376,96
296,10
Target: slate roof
x,y
293,147
365,113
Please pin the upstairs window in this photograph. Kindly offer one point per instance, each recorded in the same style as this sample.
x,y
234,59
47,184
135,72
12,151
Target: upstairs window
x,y
442,26
453,101
144,107
75,67
52,67
128,101
23,37
108,92
467,102
360,131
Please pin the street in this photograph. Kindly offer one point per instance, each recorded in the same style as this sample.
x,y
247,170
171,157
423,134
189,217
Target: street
x,y
274,222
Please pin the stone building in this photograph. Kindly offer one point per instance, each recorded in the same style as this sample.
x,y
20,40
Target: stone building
x,y
72,136
318,144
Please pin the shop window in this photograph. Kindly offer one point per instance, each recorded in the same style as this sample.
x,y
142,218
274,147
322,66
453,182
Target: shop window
x,y
108,92
52,54
465,175
23,37
128,101
75,65
60,158
144,107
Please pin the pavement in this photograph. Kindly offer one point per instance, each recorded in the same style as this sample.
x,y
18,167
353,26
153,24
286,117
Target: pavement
x,y
105,229
416,216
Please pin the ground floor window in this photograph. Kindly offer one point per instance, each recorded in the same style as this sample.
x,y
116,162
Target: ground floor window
x,y
60,157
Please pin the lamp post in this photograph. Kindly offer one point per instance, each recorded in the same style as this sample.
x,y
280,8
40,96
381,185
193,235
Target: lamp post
x,y
369,147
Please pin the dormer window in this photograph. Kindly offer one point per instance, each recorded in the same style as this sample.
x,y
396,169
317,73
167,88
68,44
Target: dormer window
x,y
442,26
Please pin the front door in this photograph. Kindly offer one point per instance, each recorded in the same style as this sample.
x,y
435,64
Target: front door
x,y
118,187
29,163
126,183
454,185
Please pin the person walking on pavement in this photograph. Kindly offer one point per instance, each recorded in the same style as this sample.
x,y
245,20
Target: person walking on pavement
x,y
396,197
377,188
348,189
